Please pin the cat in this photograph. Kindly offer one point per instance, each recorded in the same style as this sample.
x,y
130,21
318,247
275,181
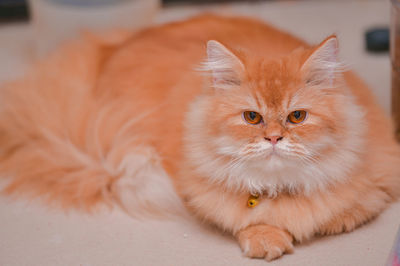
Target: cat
x,y
254,130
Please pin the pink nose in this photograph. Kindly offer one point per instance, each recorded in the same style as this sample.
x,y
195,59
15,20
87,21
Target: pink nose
x,y
273,139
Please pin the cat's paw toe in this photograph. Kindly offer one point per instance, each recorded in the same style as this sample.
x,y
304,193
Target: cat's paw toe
x,y
273,253
264,241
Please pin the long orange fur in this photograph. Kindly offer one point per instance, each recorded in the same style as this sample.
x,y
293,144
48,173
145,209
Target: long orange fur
x,y
103,121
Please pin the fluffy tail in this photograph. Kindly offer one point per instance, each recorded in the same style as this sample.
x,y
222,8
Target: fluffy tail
x,y
59,143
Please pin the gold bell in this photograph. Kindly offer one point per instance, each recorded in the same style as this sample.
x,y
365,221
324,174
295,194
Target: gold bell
x,y
252,201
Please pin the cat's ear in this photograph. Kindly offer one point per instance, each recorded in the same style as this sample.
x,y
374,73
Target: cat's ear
x,y
225,67
322,66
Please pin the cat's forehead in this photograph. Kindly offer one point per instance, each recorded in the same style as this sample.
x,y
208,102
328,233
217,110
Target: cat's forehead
x,y
274,85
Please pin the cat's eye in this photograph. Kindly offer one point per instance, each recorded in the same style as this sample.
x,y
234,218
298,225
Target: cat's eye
x,y
251,117
297,116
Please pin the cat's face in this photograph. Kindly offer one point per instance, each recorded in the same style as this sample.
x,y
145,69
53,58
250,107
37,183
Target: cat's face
x,y
276,117
264,121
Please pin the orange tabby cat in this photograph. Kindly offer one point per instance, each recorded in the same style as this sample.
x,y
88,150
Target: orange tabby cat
x,y
260,134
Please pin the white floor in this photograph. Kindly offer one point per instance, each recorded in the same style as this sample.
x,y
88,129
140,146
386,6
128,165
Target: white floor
x,y
30,234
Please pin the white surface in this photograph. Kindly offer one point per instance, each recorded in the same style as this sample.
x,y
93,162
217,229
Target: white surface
x,y
30,234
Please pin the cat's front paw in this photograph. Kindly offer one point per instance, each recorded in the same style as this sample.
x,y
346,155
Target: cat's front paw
x,y
265,241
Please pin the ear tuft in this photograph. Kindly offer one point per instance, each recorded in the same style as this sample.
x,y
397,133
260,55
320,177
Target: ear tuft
x,y
225,67
322,67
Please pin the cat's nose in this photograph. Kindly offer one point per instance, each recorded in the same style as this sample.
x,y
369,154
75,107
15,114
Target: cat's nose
x,y
273,139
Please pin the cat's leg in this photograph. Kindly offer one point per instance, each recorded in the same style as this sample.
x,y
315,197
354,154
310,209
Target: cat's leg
x,y
264,241
366,197
340,224
360,210
349,220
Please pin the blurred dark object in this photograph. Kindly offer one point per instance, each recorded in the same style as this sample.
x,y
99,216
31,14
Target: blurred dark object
x,y
167,2
13,10
87,3
377,40
395,60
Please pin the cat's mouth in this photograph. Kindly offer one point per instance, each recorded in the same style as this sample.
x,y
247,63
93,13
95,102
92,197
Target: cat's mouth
x,y
273,152
276,152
